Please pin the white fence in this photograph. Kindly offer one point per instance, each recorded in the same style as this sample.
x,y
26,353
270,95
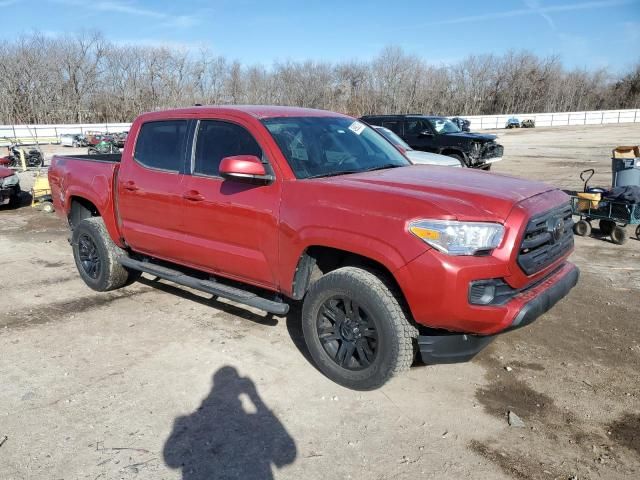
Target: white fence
x,y
597,117
51,133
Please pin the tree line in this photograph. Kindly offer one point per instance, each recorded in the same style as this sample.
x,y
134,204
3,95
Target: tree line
x,y
85,78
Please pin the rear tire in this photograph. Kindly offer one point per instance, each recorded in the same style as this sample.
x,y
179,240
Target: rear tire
x,y
96,257
606,226
638,232
35,161
618,235
355,329
582,228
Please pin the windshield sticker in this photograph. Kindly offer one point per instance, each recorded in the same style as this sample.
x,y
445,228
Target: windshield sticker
x,y
357,127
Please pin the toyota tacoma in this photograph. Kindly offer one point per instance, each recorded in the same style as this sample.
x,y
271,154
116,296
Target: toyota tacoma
x,y
270,206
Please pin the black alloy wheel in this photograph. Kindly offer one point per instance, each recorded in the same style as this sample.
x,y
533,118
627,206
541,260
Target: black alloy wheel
x,y
347,333
356,329
89,256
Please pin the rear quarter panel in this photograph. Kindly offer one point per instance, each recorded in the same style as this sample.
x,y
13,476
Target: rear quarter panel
x,y
91,180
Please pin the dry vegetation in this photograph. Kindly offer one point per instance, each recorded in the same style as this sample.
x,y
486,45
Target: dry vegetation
x,y
86,78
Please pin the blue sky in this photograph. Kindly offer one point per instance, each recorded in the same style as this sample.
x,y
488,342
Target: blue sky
x,y
585,33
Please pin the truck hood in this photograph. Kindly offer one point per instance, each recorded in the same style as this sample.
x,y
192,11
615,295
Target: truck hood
x,y
460,193
480,137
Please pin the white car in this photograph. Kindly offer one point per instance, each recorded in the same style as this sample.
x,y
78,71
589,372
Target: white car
x,y
416,156
73,140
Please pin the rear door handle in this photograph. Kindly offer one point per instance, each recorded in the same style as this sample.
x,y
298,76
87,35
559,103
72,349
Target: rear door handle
x,y
131,186
193,196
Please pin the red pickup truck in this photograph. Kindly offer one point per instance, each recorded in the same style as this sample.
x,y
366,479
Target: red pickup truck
x,y
272,205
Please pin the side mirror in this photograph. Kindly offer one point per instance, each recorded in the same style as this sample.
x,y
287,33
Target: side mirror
x,y
425,133
246,168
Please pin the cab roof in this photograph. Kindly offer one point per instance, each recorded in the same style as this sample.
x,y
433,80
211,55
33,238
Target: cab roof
x,y
405,115
256,111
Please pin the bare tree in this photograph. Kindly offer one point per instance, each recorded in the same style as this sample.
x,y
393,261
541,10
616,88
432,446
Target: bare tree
x,y
84,78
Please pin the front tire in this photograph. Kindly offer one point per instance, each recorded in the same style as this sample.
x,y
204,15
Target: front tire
x,y
355,329
582,228
96,257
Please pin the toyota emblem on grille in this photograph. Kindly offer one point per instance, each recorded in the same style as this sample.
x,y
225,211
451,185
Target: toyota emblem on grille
x,y
556,229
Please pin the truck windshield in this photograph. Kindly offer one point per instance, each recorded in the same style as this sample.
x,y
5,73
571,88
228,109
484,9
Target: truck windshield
x,y
327,146
444,125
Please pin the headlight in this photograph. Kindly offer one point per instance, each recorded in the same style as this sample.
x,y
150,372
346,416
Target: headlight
x,y
458,238
10,181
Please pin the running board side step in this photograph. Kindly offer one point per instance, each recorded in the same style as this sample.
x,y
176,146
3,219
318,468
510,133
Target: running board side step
x,y
208,286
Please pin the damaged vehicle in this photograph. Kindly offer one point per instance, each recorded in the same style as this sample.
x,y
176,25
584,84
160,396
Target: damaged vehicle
x,y
9,187
416,156
442,136
74,140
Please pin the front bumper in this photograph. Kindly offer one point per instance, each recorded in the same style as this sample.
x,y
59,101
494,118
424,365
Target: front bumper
x,y
489,153
492,160
447,347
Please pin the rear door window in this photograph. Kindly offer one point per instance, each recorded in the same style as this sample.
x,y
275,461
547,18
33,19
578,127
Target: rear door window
x,y
161,145
217,140
394,125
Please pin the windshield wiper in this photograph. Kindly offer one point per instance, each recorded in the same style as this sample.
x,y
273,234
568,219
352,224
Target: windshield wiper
x,y
382,167
346,172
334,174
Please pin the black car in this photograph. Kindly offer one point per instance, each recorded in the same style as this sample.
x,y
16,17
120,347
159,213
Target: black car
x,y
462,123
441,135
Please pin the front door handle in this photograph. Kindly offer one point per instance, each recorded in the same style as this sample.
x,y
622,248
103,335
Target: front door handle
x,y
193,196
131,186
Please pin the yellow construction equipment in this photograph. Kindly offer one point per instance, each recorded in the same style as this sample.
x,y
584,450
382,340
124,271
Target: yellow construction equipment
x,y
41,193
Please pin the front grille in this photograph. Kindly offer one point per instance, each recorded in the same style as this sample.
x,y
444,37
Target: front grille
x,y
491,150
548,236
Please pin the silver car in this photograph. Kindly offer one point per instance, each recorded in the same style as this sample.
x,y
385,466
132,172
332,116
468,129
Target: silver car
x,y
417,156
73,140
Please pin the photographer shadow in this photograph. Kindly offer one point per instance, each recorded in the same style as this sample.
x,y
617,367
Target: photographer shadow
x,y
222,440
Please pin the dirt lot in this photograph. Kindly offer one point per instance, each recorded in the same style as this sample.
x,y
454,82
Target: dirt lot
x,y
159,382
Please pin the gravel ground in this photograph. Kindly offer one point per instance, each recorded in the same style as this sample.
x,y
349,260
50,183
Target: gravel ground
x,y
159,382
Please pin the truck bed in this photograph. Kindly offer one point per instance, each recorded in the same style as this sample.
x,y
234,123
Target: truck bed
x,y
90,177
